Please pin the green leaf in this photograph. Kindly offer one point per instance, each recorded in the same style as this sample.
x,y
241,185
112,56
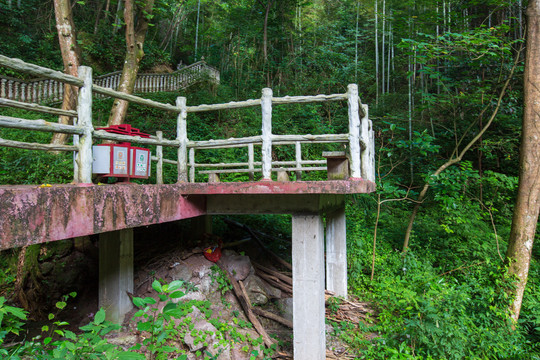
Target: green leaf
x,y
70,335
51,316
175,285
169,306
70,346
157,286
149,300
138,302
61,305
168,349
177,294
47,340
128,355
99,317
16,312
144,326
88,327
45,328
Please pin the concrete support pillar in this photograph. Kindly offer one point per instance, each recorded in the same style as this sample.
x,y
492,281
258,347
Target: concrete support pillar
x,y
336,253
116,273
308,287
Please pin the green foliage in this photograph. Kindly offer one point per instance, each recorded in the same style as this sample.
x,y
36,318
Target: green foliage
x,y
11,321
218,275
59,342
161,328
158,323
446,299
19,166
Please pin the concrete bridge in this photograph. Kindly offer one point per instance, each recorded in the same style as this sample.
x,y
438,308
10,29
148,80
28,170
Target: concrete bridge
x,y
31,214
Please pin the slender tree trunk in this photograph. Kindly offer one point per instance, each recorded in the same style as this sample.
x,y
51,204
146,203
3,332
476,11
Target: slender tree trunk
x,y
356,43
376,54
383,82
117,20
135,35
265,40
197,29
527,205
70,58
98,13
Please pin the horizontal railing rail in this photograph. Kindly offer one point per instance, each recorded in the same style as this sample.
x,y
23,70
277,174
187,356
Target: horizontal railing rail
x,y
359,138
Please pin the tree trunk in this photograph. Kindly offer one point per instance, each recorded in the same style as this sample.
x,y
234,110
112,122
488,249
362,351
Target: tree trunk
x,y
135,35
528,198
265,40
70,58
376,54
27,289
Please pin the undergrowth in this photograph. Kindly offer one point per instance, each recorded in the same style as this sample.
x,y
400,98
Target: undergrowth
x,y
445,299
162,327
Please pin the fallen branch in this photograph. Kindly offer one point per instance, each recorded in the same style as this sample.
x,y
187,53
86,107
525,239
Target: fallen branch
x,y
272,316
277,274
274,281
246,305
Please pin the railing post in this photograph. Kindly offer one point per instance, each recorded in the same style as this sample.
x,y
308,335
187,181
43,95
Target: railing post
x,y
159,155
354,130
298,148
251,160
84,120
192,165
181,136
368,154
266,106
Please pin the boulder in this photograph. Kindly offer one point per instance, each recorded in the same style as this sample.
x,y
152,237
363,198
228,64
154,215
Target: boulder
x,y
238,265
256,290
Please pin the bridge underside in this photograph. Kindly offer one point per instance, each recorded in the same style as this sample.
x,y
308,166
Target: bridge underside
x,y
36,214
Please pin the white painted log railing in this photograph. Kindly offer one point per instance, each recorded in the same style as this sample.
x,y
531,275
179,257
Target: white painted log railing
x,y
50,90
360,138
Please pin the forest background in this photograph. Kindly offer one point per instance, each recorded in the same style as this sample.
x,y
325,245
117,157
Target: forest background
x,y
434,74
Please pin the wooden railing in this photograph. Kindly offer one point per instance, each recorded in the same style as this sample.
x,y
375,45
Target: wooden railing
x,y
50,90
360,136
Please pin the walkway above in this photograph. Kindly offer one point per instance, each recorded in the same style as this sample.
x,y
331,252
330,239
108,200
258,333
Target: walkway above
x,y
32,214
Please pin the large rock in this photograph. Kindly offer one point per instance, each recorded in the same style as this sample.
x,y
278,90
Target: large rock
x,y
238,265
202,334
238,349
256,290
181,272
285,306
220,351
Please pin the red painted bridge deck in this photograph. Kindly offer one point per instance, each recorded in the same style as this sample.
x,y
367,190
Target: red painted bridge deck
x,y
32,214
